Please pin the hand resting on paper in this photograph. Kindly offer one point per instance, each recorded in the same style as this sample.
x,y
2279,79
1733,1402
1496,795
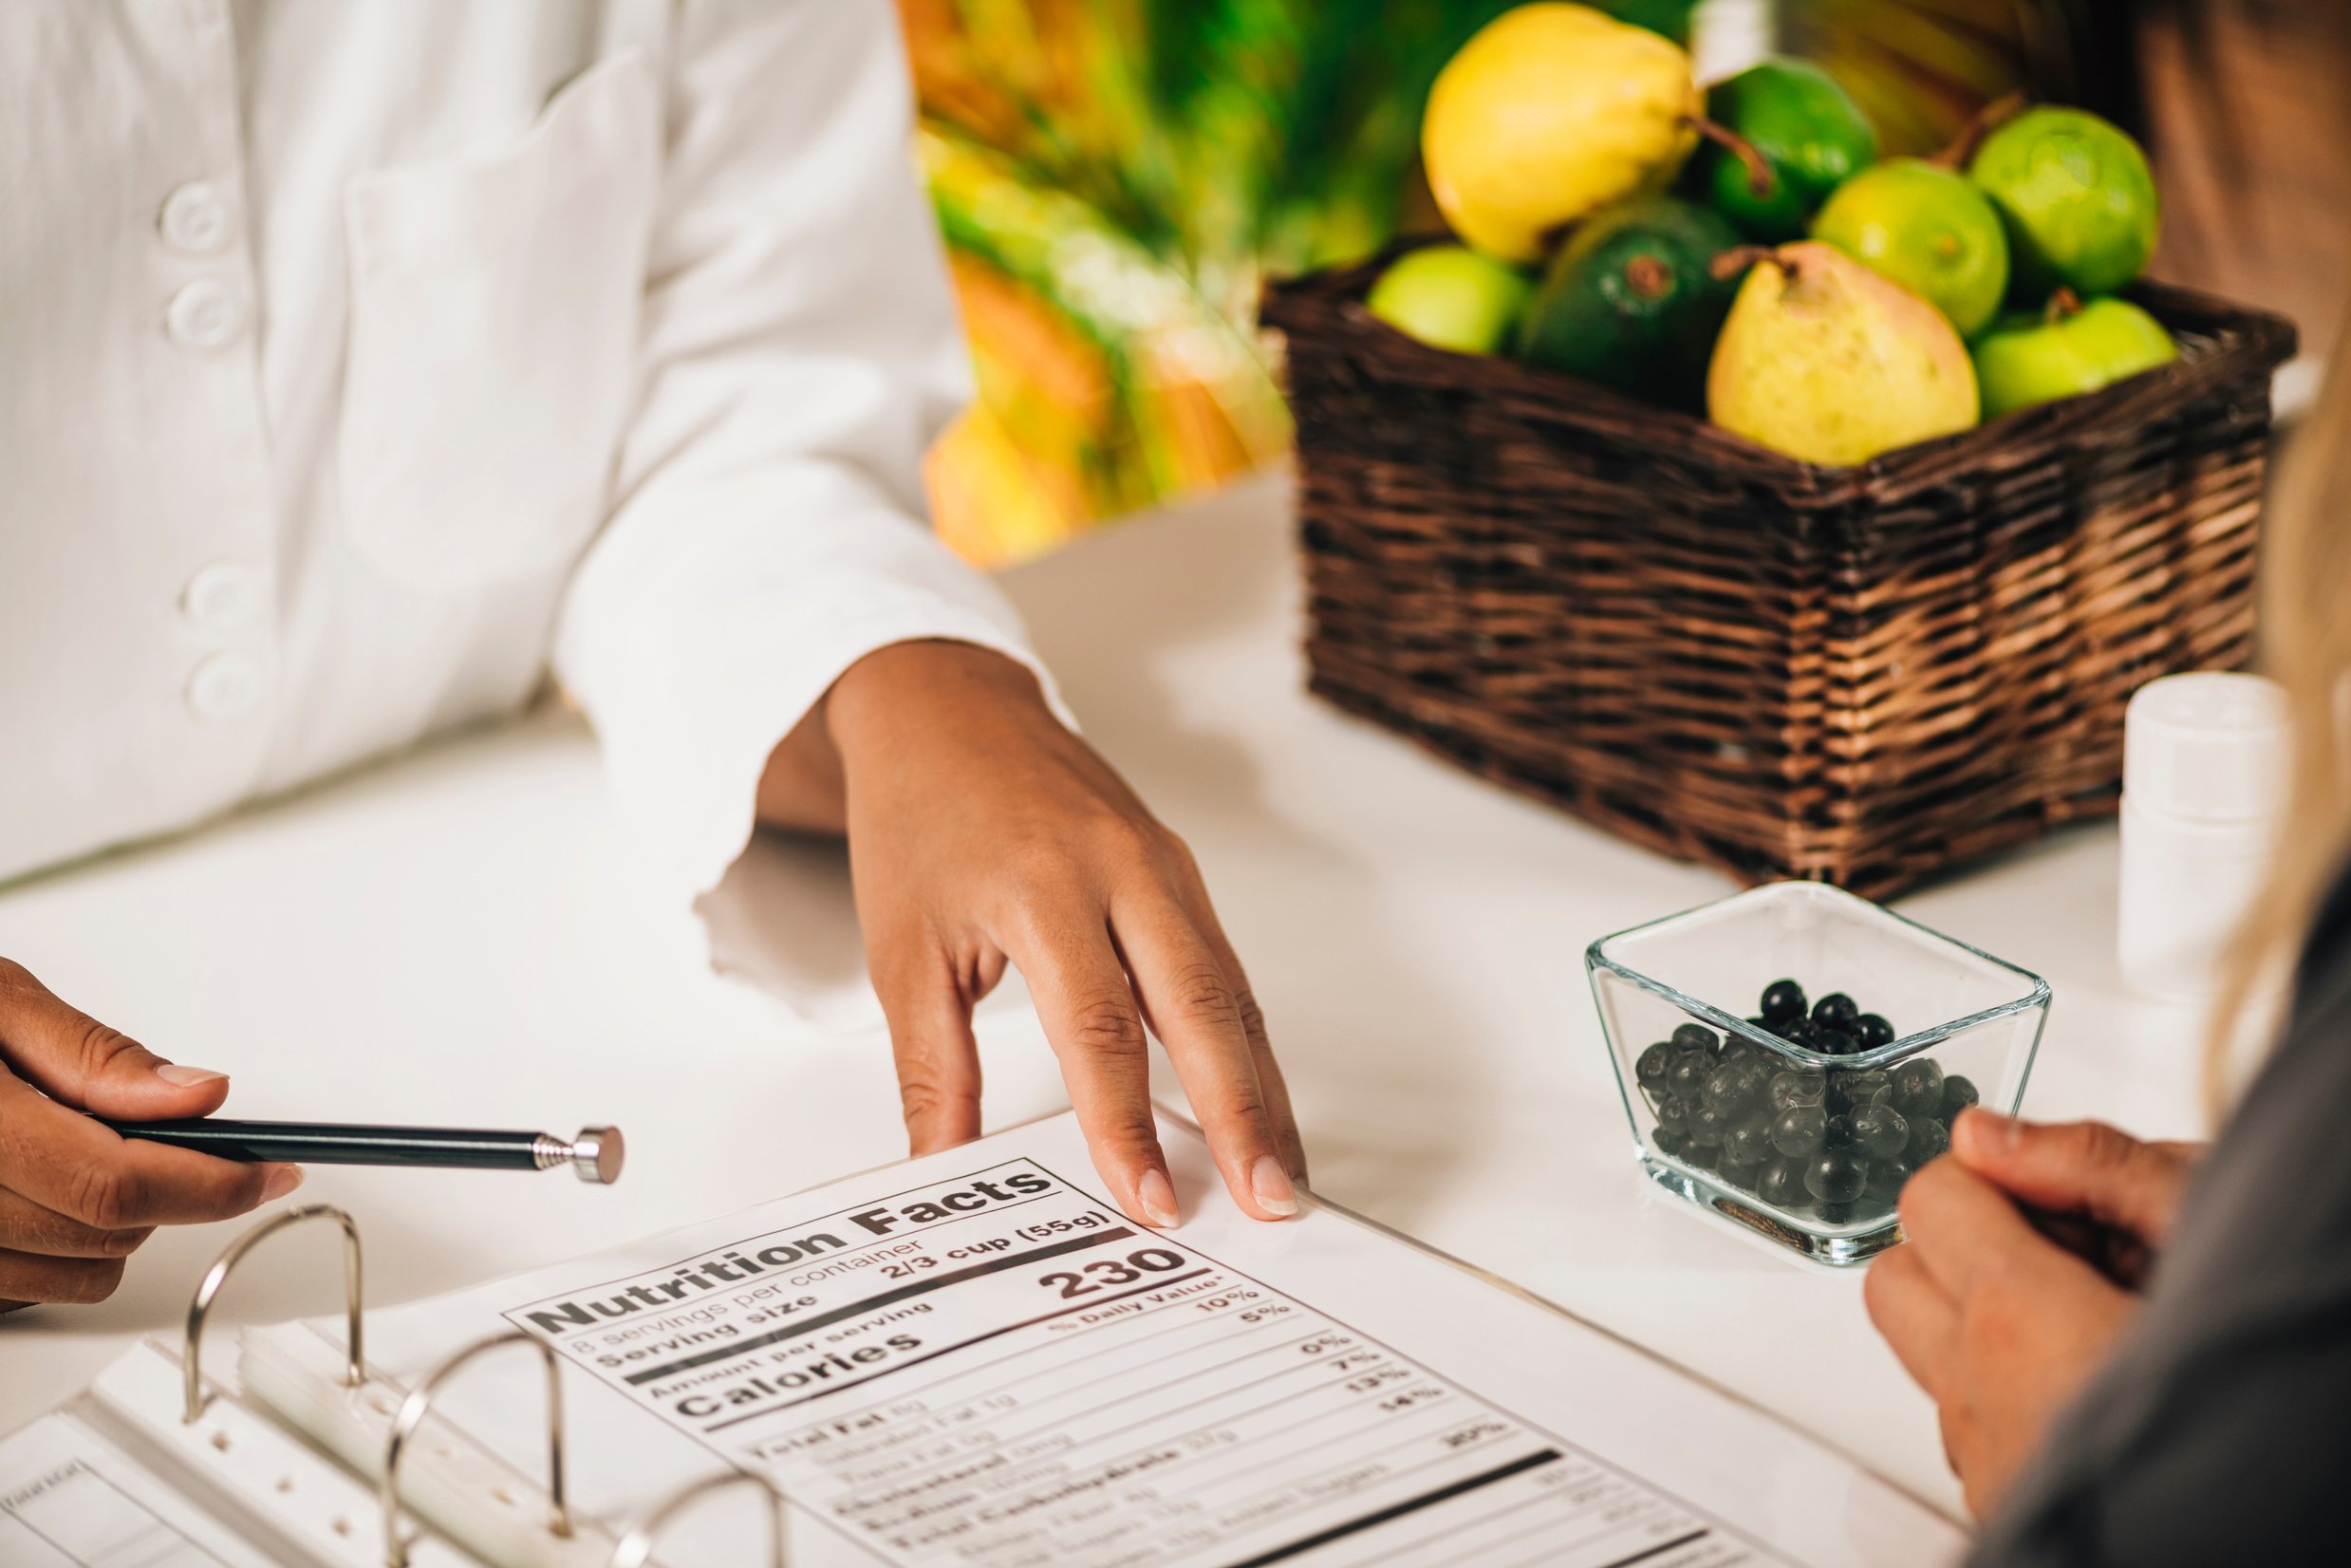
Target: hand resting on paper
x,y
2025,1254
75,1200
980,832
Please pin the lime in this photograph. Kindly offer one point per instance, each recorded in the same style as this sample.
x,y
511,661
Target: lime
x,y
2038,357
2077,199
1808,132
1452,297
1927,229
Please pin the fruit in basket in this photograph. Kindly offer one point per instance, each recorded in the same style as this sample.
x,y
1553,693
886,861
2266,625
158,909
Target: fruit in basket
x,y
1452,297
1810,135
1823,359
2077,199
1929,230
1632,302
2068,348
1548,113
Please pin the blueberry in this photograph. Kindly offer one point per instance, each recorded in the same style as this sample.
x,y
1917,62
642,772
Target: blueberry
x,y
1866,1084
1700,1156
1918,1087
1708,1126
1673,1113
1749,1141
1668,1142
1781,1184
1958,1094
1799,1032
1791,1089
1697,1037
1782,1000
1835,1010
1688,1076
1655,1062
1689,1073
1871,1030
1744,1176
1886,1178
1837,1133
1734,1089
1832,1042
1799,1130
1838,1214
1834,1176
1879,1131
1929,1138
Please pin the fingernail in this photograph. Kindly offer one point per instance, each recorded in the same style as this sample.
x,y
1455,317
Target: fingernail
x,y
1270,1185
283,1179
1158,1199
1992,1129
187,1077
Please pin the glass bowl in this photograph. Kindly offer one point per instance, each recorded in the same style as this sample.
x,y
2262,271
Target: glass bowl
x,y
1807,1139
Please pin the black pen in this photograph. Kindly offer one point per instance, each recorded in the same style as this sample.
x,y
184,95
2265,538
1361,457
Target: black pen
x,y
594,1156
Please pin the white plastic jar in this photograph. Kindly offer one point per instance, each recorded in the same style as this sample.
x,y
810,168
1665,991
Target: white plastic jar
x,y
2205,758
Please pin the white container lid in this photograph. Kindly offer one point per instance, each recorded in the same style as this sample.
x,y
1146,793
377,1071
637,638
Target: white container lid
x,y
2210,747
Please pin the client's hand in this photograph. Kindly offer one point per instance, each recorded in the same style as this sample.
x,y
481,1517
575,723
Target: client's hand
x,y
2089,1187
981,831
75,1200
1998,1322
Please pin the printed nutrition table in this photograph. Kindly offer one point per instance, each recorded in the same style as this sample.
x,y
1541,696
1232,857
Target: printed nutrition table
x,y
998,1370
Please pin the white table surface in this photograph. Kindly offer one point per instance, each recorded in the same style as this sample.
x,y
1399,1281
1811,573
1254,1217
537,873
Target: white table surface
x,y
462,936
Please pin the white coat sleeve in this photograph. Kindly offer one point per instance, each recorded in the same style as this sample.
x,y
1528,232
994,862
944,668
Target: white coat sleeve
x,y
801,351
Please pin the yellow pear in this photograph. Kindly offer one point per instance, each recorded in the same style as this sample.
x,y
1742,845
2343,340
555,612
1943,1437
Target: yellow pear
x,y
1549,112
1825,360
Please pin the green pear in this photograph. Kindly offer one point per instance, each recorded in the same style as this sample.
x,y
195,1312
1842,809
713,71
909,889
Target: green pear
x,y
1825,361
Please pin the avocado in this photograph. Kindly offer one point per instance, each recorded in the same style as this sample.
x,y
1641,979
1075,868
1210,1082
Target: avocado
x,y
1629,302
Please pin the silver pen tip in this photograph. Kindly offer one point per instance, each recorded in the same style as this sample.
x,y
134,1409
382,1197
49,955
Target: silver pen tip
x,y
597,1153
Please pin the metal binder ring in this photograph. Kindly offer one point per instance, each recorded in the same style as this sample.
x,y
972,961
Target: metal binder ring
x,y
420,1401
636,1548
191,1358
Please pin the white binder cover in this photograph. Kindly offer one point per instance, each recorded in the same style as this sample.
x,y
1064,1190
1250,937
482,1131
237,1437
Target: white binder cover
x,y
974,1358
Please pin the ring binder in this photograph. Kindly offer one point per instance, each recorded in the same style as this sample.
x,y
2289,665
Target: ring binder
x,y
200,1305
636,1548
420,1403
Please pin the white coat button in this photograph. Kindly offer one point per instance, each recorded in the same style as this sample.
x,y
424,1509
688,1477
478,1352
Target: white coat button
x,y
205,315
222,597
195,219
227,685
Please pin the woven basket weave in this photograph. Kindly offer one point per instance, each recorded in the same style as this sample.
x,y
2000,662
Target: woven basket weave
x,y
1859,674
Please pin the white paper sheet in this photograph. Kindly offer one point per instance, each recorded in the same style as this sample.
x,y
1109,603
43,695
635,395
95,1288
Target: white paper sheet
x,y
69,1499
974,1358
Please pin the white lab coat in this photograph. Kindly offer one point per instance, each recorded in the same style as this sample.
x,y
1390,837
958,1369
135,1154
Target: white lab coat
x,y
356,356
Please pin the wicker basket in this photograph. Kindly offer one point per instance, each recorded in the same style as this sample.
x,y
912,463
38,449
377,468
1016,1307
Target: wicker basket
x,y
1858,675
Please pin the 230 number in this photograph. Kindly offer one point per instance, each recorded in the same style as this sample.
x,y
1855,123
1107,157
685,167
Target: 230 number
x,y
1112,1271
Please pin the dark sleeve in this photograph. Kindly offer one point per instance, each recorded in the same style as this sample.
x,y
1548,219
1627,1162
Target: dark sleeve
x,y
2221,1431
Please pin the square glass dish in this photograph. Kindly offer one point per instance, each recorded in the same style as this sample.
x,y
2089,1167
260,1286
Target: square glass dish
x,y
1804,1132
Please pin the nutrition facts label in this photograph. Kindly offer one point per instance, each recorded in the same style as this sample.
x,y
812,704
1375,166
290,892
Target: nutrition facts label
x,y
998,1371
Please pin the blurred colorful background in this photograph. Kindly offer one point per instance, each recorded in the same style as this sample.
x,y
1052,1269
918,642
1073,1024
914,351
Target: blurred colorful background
x,y
1116,179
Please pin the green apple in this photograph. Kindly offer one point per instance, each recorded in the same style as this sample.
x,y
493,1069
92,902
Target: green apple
x,y
1452,297
2039,357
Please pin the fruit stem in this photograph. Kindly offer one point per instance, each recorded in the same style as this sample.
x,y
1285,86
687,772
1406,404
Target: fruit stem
x,y
2063,305
1649,277
1729,264
1761,181
1989,118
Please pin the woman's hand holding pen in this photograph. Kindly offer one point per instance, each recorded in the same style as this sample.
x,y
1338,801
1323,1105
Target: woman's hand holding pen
x,y
75,1200
982,831
2024,1253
